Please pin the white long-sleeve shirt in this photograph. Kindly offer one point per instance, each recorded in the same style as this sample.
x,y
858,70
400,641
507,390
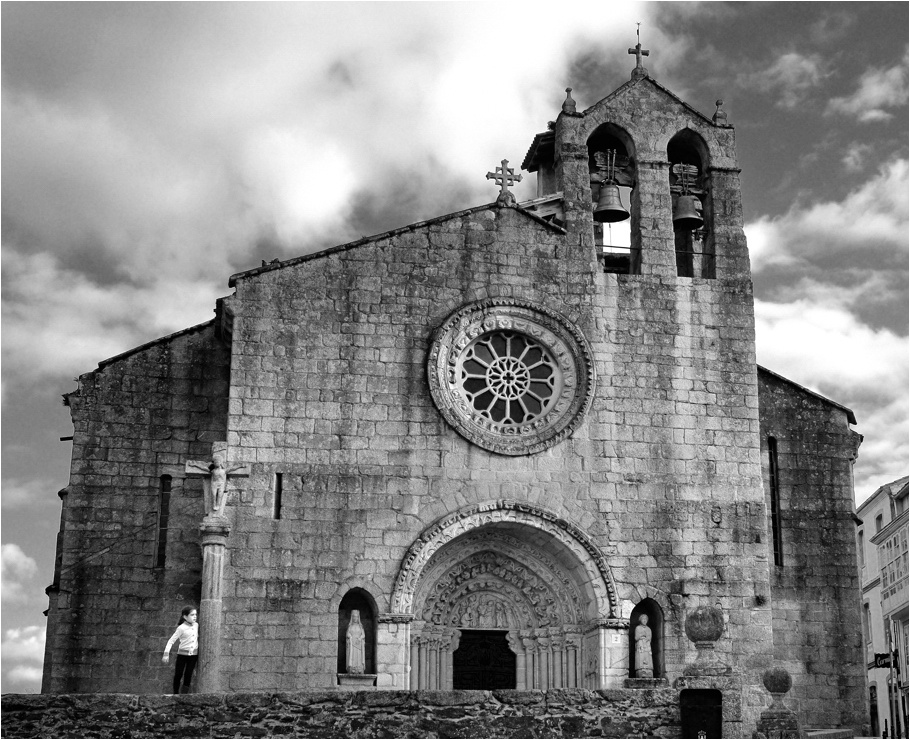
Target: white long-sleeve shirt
x,y
188,636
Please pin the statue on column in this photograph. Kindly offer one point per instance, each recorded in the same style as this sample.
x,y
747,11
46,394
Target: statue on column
x,y
356,644
216,475
644,662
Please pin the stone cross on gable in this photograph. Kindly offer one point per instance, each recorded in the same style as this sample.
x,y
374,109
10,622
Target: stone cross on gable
x,y
504,176
639,70
214,475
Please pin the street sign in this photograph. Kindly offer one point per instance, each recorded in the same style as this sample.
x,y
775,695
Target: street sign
x,y
883,660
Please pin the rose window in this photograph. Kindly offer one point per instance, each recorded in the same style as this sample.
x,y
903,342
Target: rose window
x,y
509,378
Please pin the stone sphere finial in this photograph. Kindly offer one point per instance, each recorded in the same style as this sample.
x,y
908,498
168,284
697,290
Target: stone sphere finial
x,y
568,105
705,624
777,680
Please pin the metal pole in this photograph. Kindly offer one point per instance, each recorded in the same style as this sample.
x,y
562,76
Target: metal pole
x,y
897,689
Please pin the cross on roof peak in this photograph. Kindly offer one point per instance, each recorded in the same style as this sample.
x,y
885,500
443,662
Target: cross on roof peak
x,y
504,176
639,70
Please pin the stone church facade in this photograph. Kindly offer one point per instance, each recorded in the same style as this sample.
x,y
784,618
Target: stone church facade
x,y
498,444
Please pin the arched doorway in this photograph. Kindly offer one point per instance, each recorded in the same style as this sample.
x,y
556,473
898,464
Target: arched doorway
x,y
527,583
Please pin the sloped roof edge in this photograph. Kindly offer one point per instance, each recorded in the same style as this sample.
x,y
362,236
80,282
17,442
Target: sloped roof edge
x,y
850,416
160,340
530,159
900,484
654,82
232,281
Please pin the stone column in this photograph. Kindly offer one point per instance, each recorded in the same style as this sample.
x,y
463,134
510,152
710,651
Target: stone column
x,y
215,531
529,646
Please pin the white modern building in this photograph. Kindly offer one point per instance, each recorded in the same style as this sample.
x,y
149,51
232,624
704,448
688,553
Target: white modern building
x,y
882,547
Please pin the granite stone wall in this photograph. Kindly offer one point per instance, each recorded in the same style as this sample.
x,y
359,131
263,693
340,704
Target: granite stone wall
x,y
815,592
329,372
303,714
136,418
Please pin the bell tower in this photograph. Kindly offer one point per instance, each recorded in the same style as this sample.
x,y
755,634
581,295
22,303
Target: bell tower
x,y
645,151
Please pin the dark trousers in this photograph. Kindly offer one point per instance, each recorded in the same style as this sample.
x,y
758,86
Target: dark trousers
x,y
186,664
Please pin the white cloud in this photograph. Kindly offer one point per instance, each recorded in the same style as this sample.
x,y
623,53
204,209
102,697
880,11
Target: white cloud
x,y
27,677
56,320
19,575
856,156
871,219
878,89
817,342
129,197
792,76
22,653
24,644
22,493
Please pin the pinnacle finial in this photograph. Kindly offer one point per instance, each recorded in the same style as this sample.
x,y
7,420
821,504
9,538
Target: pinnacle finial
x,y
720,116
568,105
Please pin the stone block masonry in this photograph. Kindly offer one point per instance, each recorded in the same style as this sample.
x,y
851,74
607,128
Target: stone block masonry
x,y
333,714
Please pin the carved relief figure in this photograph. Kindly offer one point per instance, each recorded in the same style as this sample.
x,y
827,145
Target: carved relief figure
x,y
356,644
644,663
216,485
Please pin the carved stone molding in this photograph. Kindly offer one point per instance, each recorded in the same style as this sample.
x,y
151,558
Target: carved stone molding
x,y
597,572
510,376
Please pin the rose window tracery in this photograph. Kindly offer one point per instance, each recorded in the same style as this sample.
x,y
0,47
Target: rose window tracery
x,y
509,376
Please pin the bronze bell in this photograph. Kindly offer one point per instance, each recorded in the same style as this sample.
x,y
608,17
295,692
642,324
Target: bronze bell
x,y
685,215
609,208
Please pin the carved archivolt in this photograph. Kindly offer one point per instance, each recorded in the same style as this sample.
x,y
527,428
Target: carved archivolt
x,y
593,574
494,564
510,376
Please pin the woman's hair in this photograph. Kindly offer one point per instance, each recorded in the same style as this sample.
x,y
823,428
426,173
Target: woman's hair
x,y
185,613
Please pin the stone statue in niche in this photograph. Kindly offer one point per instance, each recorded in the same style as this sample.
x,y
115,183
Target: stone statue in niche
x,y
356,644
644,662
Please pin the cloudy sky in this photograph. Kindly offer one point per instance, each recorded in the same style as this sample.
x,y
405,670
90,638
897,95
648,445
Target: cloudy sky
x,y
151,150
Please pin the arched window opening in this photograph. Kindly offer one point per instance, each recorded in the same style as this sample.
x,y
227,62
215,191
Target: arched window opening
x,y
690,191
612,170
640,641
360,601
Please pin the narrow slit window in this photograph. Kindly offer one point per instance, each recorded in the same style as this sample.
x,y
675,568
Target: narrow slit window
x,y
277,487
164,512
774,475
